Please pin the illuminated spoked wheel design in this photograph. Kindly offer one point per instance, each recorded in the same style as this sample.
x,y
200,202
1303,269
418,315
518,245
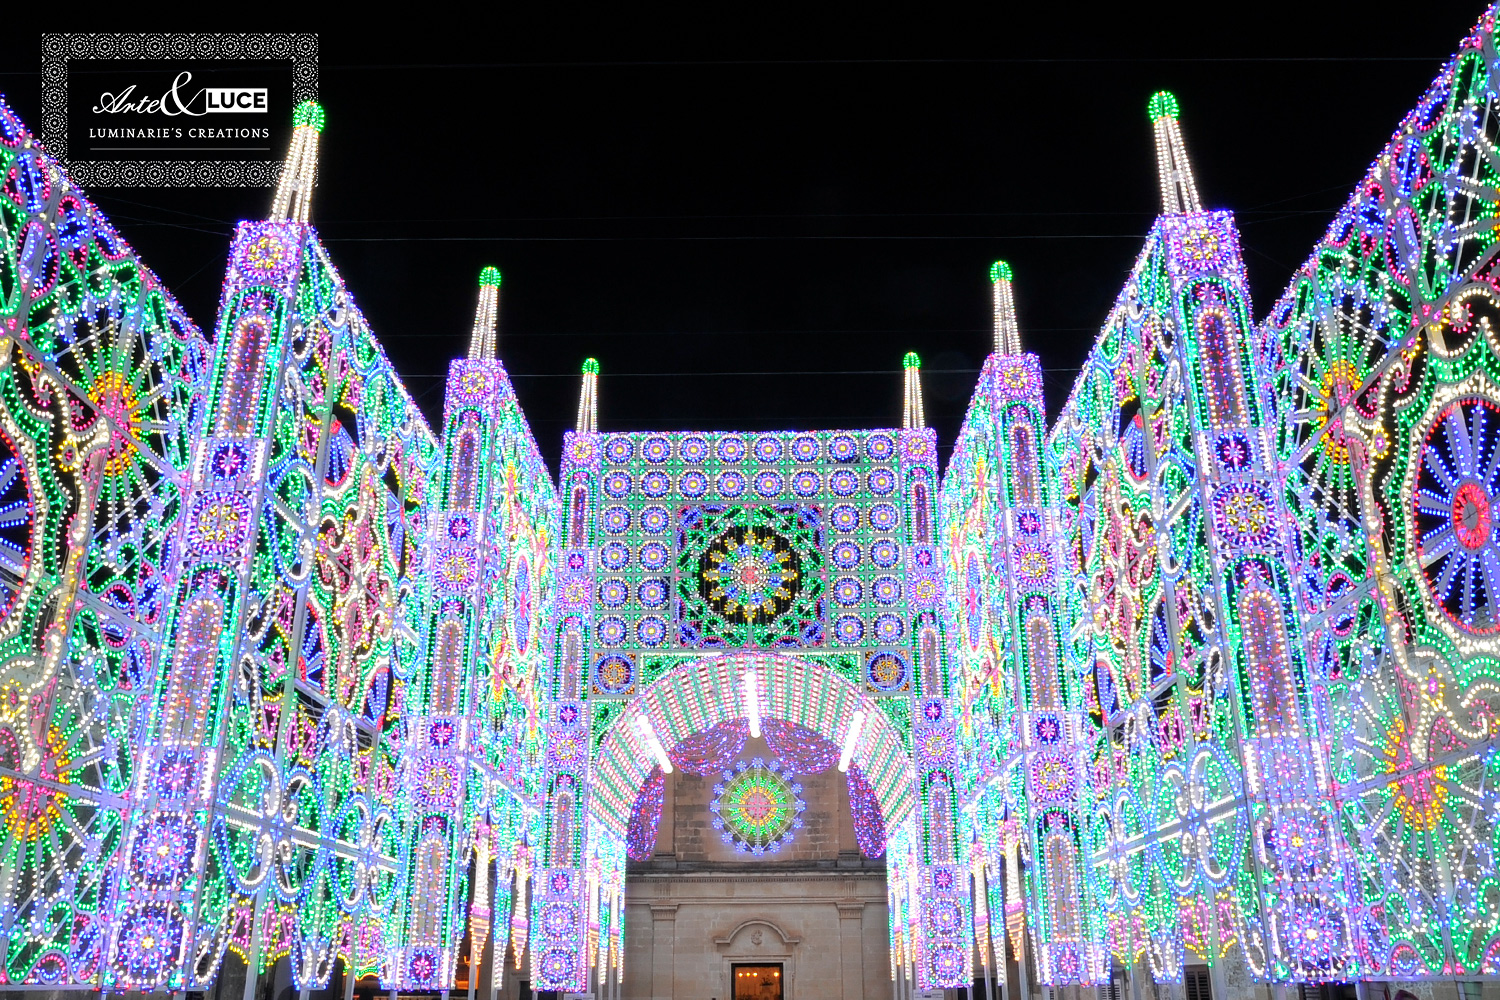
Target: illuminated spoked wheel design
x,y
757,807
750,574
1454,501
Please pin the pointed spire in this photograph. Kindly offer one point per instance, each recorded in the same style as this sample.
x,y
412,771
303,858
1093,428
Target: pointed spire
x,y
1007,330
588,399
486,318
913,417
1179,195
293,201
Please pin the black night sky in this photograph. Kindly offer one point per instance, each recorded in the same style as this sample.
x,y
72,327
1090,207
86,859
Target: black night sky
x,y
749,217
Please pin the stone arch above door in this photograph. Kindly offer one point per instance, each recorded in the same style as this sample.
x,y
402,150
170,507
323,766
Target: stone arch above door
x,y
773,940
758,940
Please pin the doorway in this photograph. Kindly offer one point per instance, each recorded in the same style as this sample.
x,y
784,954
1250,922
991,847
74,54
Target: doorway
x,y
757,982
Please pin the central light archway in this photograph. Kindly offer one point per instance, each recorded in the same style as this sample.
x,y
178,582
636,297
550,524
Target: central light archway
x,y
699,695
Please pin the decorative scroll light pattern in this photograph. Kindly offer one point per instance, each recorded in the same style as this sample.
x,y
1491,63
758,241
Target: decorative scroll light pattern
x,y
711,751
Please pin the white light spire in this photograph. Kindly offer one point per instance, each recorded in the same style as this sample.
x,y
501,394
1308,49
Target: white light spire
x,y
1007,330
648,735
588,399
912,417
851,739
482,344
293,201
1179,195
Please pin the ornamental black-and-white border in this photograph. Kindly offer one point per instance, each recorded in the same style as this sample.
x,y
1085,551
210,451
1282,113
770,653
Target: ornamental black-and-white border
x,y
57,49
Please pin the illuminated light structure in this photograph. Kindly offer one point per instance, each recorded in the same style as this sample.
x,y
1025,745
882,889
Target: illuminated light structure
x,y
653,743
752,701
1295,885
474,706
851,740
95,459
1179,194
1207,777
1207,815
588,398
264,819
482,344
247,564
1206,669
1383,359
1007,330
757,807
293,201
1027,734
1209,750
786,577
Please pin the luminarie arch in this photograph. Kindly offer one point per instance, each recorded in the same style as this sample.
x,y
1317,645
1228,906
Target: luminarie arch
x,y
701,694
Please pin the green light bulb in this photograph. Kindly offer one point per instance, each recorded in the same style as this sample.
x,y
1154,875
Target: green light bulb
x,y
308,113
1163,105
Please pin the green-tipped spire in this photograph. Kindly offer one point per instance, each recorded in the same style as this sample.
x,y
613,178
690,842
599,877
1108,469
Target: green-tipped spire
x,y
1179,195
1163,105
912,412
483,343
293,201
588,399
1007,330
308,113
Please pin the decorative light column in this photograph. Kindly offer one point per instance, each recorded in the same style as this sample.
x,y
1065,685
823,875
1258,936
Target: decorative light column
x,y
1030,735
157,941
561,914
475,705
1303,924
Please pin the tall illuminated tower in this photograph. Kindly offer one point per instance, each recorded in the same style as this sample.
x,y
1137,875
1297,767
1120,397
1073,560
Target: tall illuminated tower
x,y
474,706
1031,736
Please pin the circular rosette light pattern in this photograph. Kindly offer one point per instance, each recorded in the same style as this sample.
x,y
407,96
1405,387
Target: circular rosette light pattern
x,y
750,574
1454,510
757,807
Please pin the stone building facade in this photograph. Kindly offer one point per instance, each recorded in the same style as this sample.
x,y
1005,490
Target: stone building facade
x,y
698,909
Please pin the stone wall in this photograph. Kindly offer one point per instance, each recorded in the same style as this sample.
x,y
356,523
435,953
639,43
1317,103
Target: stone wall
x,y
816,907
684,931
